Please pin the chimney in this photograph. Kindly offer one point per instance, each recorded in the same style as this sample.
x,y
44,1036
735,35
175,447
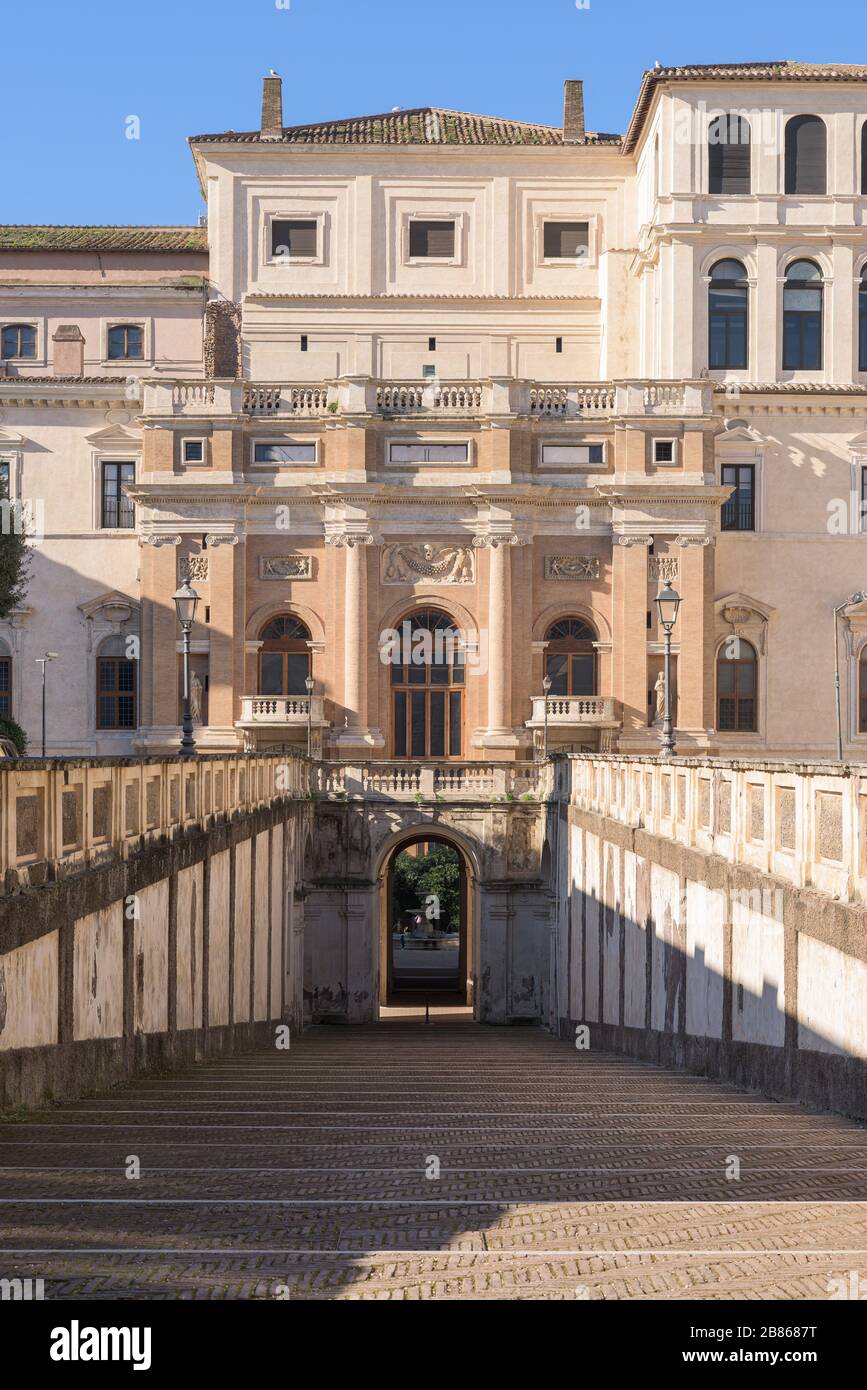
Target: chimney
x,y
68,350
573,112
272,107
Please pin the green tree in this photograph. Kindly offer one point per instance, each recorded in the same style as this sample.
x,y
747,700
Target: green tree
x,y
437,873
14,554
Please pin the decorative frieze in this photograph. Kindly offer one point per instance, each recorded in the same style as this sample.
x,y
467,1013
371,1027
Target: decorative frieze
x,y
663,568
285,566
193,568
433,564
572,567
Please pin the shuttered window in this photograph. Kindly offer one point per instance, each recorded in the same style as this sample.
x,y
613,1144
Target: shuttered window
x,y
806,155
729,155
566,241
431,239
293,238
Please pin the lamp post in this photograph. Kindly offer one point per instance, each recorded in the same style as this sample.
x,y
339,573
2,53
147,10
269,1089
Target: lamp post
x,y
667,605
309,683
186,601
859,597
546,686
43,662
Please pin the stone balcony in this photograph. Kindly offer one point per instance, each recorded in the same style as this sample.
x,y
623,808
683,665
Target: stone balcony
x,y
433,399
569,714
276,714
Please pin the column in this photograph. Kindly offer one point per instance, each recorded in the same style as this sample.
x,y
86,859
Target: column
x,y
158,717
629,609
356,731
499,733
695,634
227,593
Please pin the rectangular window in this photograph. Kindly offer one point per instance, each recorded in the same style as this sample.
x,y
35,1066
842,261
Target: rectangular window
x,y
303,342
118,511
125,342
19,340
431,344
738,513
428,371
4,477
294,238
284,453
863,526
431,240
566,241
664,451
574,455
115,693
428,453
194,451
5,685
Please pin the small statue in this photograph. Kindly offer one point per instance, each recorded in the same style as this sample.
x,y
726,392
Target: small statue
x,y
197,691
659,691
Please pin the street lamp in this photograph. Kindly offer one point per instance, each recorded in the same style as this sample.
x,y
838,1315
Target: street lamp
x,y
186,601
546,686
43,662
309,683
667,604
860,597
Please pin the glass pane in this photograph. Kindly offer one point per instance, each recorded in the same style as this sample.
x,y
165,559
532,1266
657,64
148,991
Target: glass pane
x,y
106,712
399,725
746,715
297,670
271,673
438,724
455,712
746,678
726,678
6,667
126,712
126,675
727,714
419,724
583,671
557,668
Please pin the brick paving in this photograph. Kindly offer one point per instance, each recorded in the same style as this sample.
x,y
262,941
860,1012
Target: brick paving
x,y
305,1175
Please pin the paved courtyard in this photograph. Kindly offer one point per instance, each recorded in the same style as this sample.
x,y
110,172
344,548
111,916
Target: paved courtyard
x,y
311,1174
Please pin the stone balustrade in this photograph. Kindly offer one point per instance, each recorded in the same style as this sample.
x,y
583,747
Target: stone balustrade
x,y
598,711
281,709
428,781
64,815
804,823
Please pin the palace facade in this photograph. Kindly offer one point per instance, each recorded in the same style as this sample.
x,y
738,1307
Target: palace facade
x,y
428,412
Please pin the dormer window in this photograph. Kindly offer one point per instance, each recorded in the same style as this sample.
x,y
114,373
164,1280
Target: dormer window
x,y
294,239
125,342
18,340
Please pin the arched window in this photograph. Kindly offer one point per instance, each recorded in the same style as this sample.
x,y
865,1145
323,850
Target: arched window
x,y
570,657
728,301
728,148
5,679
427,685
116,686
284,657
862,322
802,317
736,669
18,340
806,155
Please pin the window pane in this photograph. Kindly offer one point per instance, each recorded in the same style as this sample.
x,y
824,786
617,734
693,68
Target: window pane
x,y
557,668
746,678
126,675
583,669
297,669
399,724
438,724
126,712
455,708
293,237
284,453
418,723
106,712
271,673
727,714
431,239
746,715
566,240
726,677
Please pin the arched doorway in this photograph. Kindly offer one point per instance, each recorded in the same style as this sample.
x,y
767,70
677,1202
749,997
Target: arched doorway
x,y
284,656
426,895
427,687
570,657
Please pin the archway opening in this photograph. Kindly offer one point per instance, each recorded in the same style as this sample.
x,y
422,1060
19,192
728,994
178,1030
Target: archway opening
x,y
426,936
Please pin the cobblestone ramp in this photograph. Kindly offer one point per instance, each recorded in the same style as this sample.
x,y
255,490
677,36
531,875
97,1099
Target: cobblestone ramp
x,y
305,1174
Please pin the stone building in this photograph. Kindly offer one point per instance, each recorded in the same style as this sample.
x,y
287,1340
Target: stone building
x,y
428,413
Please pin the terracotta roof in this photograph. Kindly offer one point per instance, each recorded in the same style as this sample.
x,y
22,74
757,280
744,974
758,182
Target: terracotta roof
x,y
774,70
152,239
790,388
423,125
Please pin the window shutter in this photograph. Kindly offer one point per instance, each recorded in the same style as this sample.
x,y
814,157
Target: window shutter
x,y
806,155
566,240
298,238
729,155
431,239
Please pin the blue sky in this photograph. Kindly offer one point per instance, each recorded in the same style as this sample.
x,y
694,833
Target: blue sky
x,y
74,73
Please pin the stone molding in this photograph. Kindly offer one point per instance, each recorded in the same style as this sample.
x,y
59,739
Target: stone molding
x,y
572,567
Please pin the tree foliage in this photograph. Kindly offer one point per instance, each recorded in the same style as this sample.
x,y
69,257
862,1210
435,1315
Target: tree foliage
x,y
14,556
438,873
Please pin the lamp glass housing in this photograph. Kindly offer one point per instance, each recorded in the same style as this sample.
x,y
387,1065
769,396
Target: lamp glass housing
x,y
668,602
186,601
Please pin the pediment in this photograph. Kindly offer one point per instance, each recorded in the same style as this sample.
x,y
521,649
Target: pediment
x,y
114,437
112,607
747,609
740,436
12,439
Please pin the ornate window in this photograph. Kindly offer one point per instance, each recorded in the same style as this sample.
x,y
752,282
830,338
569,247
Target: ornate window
x,y
728,312
5,679
116,686
284,657
806,155
736,672
570,657
427,687
728,141
802,317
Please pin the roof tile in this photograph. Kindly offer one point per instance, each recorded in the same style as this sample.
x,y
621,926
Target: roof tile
x,y
149,239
